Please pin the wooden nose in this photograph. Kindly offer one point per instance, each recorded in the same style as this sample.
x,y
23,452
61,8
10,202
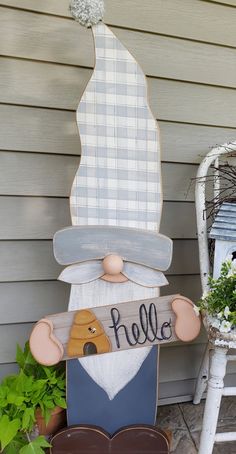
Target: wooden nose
x,y
112,264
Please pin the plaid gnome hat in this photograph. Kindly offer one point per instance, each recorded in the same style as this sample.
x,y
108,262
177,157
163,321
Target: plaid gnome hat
x,y
118,182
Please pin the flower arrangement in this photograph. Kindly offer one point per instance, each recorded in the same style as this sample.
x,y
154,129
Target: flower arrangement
x,y
220,301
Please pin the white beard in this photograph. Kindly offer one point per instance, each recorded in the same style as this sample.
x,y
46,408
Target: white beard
x,y
114,370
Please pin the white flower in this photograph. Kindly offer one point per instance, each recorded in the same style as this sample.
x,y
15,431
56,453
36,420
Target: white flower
x,y
225,326
220,315
87,12
205,295
215,323
232,270
227,312
196,310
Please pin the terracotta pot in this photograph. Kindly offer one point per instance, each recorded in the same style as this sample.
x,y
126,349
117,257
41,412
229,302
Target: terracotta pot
x,y
56,422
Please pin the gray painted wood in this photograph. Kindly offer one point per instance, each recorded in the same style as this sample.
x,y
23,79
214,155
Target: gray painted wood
x,y
129,314
143,275
52,175
82,273
173,17
27,261
29,301
55,131
82,243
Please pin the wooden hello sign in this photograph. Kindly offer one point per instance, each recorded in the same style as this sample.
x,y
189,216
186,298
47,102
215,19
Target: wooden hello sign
x,y
113,328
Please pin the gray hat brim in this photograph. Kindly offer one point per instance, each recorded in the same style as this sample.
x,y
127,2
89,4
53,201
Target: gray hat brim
x,y
81,243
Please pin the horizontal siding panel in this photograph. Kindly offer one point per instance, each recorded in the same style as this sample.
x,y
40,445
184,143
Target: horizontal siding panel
x,y
36,174
32,217
178,220
10,336
189,286
191,103
53,175
29,301
39,130
183,391
190,143
39,218
224,2
42,84
185,257
173,17
27,261
34,260
55,131
174,59
180,363
58,86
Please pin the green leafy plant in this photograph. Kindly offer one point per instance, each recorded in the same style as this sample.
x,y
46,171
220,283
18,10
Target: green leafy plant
x,y
220,301
33,387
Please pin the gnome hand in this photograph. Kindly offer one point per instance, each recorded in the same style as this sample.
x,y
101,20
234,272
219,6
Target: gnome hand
x,y
188,320
44,346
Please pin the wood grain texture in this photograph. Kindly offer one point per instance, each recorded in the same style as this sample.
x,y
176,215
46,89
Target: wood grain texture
x,y
52,175
29,301
81,243
27,261
55,131
39,218
173,17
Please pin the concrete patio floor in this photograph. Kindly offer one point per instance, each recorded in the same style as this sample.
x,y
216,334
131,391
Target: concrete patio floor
x,y
185,422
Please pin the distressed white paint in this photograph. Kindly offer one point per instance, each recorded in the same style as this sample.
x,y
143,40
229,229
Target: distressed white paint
x,y
221,345
214,395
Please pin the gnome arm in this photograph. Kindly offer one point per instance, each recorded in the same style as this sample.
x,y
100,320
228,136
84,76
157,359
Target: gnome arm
x,y
44,345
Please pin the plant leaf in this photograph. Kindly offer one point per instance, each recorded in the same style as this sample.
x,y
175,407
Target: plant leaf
x,y
14,446
60,402
8,430
35,446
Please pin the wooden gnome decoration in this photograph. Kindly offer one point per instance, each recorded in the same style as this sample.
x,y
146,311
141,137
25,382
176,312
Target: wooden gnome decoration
x,y
113,251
